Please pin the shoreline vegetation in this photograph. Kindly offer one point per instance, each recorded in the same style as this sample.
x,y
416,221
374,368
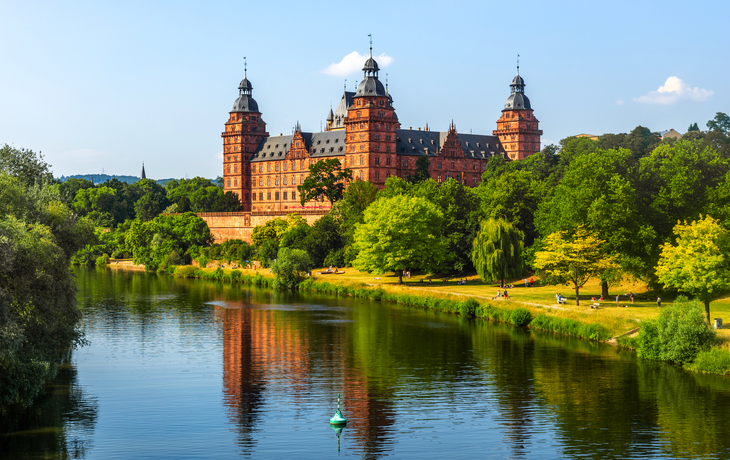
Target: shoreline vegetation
x,y
524,306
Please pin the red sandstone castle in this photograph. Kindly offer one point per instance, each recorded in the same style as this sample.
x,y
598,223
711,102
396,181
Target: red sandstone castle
x,y
365,135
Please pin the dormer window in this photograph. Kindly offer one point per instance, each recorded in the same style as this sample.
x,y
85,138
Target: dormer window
x,y
327,141
421,140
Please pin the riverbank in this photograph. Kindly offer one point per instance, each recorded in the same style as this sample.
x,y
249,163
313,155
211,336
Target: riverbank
x,y
534,307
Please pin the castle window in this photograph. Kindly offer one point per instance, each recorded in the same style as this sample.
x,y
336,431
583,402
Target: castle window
x,y
362,175
229,182
377,126
439,178
387,161
332,149
261,196
362,125
253,195
359,103
376,147
276,196
467,144
474,166
235,168
268,196
376,137
235,182
474,180
339,149
285,195
387,126
362,160
377,161
293,195
285,180
277,181
314,150
336,140
405,163
463,165
352,148
228,169
362,147
277,167
377,175
261,181
268,167
387,148
301,164
439,165
285,165
452,165
387,137
362,137
268,181
321,150
301,179
319,142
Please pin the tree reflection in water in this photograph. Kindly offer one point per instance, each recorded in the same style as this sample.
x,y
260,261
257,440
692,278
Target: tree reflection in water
x,y
59,425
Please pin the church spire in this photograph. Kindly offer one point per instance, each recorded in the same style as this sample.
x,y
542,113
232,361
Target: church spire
x,y
143,176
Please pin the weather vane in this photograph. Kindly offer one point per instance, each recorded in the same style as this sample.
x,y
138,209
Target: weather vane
x,y
244,66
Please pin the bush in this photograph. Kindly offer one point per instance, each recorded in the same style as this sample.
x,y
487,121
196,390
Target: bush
x,y
468,308
521,317
335,258
102,260
678,335
290,268
712,361
187,271
202,261
173,258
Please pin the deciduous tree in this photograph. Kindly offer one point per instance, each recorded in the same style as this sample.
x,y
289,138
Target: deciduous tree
x,y
400,233
326,180
574,259
699,261
497,251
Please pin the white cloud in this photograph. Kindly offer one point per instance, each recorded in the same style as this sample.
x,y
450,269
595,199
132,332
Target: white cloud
x,y
353,62
620,102
674,90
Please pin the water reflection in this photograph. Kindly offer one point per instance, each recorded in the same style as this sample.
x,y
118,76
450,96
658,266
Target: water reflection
x,y
59,425
199,369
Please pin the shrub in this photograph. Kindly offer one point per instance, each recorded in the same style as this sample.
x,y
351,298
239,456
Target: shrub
x,y
235,276
187,271
202,261
520,317
102,260
335,258
173,258
678,335
290,268
712,361
468,308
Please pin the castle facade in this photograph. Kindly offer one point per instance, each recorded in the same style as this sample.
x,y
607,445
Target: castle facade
x,y
365,135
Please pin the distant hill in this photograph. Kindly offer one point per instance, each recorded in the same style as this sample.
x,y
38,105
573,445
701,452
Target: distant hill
x,y
99,178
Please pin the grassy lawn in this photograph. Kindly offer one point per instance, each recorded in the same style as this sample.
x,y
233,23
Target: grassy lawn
x,y
540,298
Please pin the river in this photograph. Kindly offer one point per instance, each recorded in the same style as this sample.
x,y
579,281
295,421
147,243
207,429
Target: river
x,y
187,369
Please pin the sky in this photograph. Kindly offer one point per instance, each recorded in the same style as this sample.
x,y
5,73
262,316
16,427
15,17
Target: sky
x,y
102,86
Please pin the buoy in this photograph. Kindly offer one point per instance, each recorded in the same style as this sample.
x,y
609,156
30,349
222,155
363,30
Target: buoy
x,y
338,419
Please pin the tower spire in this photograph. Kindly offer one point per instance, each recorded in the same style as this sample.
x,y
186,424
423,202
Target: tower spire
x,y
244,67
518,64
371,44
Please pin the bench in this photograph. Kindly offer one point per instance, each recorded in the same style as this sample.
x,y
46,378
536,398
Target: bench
x,y
595,305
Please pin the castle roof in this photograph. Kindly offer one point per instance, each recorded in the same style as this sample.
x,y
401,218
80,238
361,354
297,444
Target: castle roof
x,y
410,142
324,144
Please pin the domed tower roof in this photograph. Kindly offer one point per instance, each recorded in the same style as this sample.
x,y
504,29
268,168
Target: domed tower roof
x,y
245,102
517,100
370,85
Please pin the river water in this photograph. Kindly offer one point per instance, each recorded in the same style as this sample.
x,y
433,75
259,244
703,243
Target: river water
x,y
187,369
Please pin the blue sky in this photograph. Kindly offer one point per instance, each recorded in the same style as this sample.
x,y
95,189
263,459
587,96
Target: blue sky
x,y
109,85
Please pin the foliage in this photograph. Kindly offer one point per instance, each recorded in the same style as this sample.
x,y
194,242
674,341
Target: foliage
x,y
520,317
267,252
400,233
326,180
712,361
497,251
721,123
102,260
678,335
699,263
323,238
150,242
351,209
693,127
290,268
422,172
38,310
469,308
201,195
574,259
25,165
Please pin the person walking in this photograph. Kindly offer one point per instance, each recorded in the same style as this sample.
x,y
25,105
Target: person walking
x,y
631,296
658,302
617,300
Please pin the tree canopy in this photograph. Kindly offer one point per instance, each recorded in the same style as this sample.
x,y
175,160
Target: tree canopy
x,y
699,261
326,180
400,233
497,251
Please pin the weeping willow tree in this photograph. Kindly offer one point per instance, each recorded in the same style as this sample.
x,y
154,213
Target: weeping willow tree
x,y
497,251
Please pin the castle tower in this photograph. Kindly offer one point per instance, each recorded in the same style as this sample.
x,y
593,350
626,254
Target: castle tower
x,y
244,132
517,128
370,125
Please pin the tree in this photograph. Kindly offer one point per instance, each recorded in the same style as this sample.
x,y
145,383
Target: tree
x,y
699,262
322,238
497,253
358,196
400,233
290,268
27,166
574,259
422,172
326,180
693,127
721,123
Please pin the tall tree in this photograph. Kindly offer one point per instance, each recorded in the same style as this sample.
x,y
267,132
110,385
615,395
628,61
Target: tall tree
x,y
422,172
721,123
400,233
699,262
497,251
27,166
326,180
574,259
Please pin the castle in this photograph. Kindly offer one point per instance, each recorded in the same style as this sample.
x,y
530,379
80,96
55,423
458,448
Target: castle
x,y
365,135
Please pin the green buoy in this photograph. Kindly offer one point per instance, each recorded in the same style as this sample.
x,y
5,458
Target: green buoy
x,y
338,419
